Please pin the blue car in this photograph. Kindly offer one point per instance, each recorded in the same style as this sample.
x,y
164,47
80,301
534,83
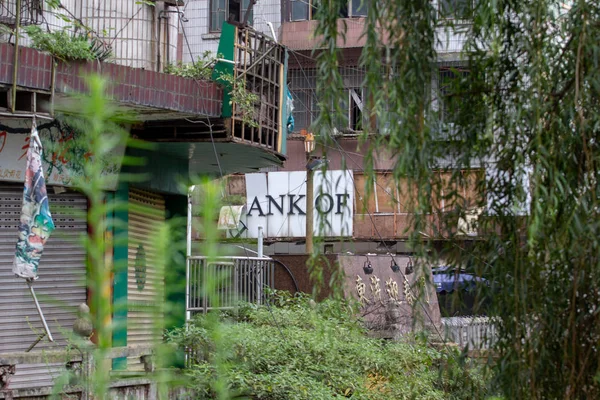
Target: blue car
x,y
447,279
456,292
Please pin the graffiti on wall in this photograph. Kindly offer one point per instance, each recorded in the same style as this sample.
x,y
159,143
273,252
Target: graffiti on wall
x,y
64,155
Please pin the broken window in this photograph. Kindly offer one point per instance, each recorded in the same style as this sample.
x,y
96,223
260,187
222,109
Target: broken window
x,y
233,11
348,110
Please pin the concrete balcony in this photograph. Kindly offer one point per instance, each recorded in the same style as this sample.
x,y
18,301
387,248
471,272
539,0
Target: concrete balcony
x,y
184,116
300,35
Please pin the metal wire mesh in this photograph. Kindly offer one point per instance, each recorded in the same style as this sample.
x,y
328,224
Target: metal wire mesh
x,y
31,12
232,280
259,60
303,82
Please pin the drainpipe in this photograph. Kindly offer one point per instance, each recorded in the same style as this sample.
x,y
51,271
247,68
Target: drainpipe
x,y
16,61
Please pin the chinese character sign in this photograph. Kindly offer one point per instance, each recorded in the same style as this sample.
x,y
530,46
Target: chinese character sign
x,y
36,222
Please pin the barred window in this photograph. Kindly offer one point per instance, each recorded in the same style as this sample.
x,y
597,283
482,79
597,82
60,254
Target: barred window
x,y
228,10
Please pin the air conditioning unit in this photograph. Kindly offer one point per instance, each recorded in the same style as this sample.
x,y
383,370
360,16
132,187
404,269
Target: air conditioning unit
x,y
467,225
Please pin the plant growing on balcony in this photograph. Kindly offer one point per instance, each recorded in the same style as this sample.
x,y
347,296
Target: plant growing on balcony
x,y
199,69
67,47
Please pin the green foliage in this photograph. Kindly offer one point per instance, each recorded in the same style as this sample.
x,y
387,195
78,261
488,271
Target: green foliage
x,y
245,101
527,113
65,46
199,69
299,349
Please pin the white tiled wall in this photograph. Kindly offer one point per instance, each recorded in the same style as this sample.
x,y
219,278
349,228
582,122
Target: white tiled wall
x,y
196,29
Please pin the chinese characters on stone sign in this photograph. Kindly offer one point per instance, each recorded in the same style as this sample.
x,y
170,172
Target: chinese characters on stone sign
x,y
391,289
375,289
361,289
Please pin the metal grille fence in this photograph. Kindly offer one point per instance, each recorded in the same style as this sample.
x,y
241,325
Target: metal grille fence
x,y
476,332
31,11
260,61
223,282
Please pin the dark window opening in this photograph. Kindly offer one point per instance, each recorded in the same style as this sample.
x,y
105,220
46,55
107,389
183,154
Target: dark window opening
x,y
359,7
355,119
451,81
456,9
232,11
304,10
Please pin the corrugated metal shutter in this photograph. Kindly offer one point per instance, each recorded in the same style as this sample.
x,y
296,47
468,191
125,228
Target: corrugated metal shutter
x,y
60,289
147,211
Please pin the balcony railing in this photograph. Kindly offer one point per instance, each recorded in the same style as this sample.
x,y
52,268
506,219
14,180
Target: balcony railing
x,y
223,282
31,12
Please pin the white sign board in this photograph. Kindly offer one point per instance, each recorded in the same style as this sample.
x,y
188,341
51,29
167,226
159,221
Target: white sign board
x,y
277,202
63,157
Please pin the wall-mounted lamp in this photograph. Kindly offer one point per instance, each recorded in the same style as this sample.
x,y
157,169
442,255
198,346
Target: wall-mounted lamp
x,y
409,267
367,267
394,266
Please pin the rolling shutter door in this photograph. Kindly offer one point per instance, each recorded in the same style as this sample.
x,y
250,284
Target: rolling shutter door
x,y
146,213
60,288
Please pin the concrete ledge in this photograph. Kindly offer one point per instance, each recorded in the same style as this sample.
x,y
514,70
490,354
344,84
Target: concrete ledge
x,y
58,356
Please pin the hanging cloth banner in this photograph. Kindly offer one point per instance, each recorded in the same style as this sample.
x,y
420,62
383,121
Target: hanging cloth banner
x,y
36,222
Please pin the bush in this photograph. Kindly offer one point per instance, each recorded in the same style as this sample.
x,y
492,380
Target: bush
x,y
297,349
66,47
200,69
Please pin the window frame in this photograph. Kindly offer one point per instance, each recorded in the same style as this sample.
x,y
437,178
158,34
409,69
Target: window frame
x,y
211,14
448,101
310,4
454,17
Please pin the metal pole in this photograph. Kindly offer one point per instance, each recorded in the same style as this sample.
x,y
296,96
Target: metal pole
x,y
260,242
188,253
16,59
39,310
310,204
259,267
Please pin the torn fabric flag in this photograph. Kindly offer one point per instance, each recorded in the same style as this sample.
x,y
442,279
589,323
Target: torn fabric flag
x,y
36,221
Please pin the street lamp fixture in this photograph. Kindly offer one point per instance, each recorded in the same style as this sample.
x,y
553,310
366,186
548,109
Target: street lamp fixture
x,y
309,144
409,267
368,267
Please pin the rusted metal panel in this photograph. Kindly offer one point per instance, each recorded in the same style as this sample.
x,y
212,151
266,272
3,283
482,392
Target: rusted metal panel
x,y
365,197
383,225
300,35
363,227
387,193
347,153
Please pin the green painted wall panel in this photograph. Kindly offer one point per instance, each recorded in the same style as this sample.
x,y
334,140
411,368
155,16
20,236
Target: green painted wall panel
x,y
226,52
161,172
120,257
